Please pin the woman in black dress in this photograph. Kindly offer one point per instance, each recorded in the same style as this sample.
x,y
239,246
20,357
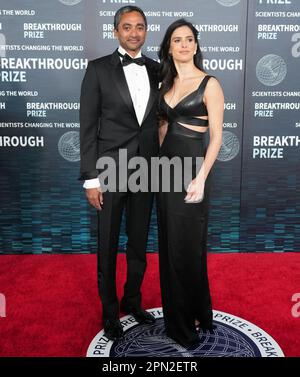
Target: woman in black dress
x,y
191,102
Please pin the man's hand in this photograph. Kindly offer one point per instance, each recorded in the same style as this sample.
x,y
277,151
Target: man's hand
x,y
95,197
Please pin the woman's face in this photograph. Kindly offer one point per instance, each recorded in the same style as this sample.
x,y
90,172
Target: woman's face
x,y
183,45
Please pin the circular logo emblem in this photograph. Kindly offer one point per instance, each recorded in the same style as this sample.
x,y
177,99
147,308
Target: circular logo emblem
x,y
69,146
228,3
271,70
230,147
232,336
70,2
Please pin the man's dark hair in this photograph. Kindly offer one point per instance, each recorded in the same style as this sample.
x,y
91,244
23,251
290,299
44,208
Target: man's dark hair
x,y
127,9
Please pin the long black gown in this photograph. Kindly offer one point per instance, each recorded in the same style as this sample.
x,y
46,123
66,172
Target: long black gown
x,y
182,227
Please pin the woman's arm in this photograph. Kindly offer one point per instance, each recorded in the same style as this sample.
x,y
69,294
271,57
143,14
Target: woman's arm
x,y
214,101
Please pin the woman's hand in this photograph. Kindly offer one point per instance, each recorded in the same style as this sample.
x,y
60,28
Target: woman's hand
x,y
195,191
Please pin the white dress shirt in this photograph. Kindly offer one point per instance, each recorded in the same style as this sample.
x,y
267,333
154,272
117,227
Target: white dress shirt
x,y
139,88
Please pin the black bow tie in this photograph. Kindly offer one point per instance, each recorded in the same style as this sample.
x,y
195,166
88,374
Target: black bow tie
x,y
128,60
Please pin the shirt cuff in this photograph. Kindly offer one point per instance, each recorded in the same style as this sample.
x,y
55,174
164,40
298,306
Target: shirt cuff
x,y
91,183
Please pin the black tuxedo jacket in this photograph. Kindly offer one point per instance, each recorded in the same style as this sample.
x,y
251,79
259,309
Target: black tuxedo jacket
x,y
107,117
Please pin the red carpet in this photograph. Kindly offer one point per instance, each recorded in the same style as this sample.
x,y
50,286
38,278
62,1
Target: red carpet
x,y
53,309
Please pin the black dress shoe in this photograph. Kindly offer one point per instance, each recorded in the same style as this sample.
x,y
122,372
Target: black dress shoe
x,y
113,329
206,327
139,314
206,324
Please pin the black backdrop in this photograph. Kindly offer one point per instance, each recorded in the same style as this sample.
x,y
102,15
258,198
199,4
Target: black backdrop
x,y
252,47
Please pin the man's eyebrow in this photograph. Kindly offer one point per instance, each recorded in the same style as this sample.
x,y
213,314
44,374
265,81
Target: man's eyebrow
x,y
129,24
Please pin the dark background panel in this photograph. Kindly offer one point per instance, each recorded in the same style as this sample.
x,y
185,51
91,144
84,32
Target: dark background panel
x,y
254,202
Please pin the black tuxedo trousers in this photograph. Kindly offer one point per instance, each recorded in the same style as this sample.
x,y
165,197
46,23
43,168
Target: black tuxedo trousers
x,y
107,124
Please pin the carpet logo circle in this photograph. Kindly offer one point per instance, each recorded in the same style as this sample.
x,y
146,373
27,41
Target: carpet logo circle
x,y
231,337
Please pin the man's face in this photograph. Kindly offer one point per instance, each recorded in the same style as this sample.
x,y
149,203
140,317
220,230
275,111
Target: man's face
x,y
131,32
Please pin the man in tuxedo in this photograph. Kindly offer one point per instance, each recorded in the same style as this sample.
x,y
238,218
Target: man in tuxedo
x,y
118,110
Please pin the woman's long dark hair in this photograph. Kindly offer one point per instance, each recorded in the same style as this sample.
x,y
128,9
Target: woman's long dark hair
x,y
168,70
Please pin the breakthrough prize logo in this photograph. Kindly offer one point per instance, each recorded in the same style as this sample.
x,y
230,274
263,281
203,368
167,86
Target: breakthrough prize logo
x,y
228,3
271,70
70,2
232,337
230,146
69,146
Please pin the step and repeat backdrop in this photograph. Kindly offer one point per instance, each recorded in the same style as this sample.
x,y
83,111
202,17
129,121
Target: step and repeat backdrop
x,y
252,47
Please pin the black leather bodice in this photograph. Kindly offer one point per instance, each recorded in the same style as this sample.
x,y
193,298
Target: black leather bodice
x,y
189,108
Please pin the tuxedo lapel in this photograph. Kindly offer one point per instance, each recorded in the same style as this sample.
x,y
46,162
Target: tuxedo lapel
x,y
120,81
153,89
